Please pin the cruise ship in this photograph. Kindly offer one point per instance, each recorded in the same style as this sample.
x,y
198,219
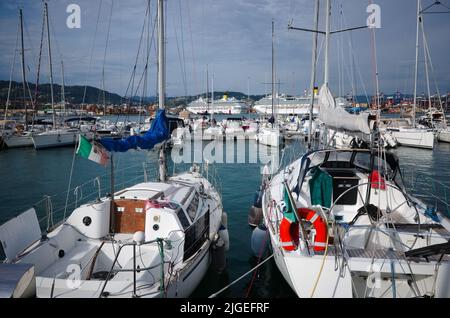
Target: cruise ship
x,y
225,105
285,105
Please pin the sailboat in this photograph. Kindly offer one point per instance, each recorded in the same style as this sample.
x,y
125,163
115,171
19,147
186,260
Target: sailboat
x,y
421,137
56,136
152,239
269,133
22,136
341,223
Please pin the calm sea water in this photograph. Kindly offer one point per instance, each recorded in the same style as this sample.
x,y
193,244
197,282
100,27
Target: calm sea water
x,y
27,175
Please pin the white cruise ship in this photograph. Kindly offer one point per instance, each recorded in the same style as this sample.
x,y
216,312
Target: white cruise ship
x,y
225,105
285,105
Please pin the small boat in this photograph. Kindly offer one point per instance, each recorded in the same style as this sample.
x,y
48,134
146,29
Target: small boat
x,y
444,135
413,137
19,140
56,138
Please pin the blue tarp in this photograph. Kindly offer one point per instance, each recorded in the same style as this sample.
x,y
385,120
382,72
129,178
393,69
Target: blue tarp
x,y
158,132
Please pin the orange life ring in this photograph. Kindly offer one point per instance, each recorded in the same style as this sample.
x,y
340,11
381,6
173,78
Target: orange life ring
x,y
320,239
289,234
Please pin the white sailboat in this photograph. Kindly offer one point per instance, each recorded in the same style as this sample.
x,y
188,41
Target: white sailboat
x,y
23,137
153,239
57,136
269,133
342,225
414,136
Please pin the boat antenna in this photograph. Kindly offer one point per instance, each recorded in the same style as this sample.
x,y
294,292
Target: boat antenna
x,y
313,72
161,83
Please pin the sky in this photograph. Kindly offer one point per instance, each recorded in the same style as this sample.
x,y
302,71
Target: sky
x,y
232,38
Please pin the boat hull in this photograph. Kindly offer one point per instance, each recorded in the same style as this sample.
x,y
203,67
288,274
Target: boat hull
x,y
54,140
444,136
19,141
414,138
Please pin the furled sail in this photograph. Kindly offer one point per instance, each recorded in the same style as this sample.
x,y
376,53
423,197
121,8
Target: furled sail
x,y
158,132
337,117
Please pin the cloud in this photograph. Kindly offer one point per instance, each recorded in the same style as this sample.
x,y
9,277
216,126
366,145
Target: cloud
x,y
233,37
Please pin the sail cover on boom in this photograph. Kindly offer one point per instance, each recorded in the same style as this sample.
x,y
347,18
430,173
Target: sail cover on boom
x,y
337,117
158,132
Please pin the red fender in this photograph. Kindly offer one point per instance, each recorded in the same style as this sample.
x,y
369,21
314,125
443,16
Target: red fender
x,y
320,240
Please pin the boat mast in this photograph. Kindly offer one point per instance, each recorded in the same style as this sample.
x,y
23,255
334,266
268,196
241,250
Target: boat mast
x,y
207,89
212,96
24,79
161,82
63,95
273,73
426,57
313,72
327,41
416,65
50,64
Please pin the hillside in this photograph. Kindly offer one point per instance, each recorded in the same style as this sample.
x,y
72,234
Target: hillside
x,y
74,95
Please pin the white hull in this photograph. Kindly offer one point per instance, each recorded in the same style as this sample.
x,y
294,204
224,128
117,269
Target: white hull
x,y
284,110
53,139
444,135
227,111
161,247
269,137
16,141
366,261
411,137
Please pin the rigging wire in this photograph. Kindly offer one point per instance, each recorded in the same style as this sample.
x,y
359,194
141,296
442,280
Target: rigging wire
x,y
92,54
194,69
104,57
10,80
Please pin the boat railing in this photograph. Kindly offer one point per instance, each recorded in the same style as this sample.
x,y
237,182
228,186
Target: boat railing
x,y
135,270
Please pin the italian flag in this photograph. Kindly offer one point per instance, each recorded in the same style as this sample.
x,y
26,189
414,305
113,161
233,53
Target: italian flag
x,y
92,151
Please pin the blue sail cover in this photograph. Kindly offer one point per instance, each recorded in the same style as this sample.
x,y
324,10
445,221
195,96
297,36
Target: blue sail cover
x,y
158,132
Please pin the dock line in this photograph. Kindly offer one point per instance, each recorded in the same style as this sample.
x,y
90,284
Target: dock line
x,y
239,278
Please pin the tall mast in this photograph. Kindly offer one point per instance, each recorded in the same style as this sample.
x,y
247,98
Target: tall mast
x,y
273,73
313,72
426,58
212,96
416,65
50,64
63,95
24,79
207,89
161,82
327,40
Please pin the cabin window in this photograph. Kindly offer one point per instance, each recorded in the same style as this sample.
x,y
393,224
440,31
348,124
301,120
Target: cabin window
x,y
183,219
193,206
196,235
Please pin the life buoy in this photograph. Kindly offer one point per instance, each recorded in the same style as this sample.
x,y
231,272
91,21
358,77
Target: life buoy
x,y
289,234
320,239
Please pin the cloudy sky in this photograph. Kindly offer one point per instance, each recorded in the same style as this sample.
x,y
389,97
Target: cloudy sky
x,y
232,37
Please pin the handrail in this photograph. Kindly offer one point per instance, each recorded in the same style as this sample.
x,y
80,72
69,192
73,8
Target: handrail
x,y
158,240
